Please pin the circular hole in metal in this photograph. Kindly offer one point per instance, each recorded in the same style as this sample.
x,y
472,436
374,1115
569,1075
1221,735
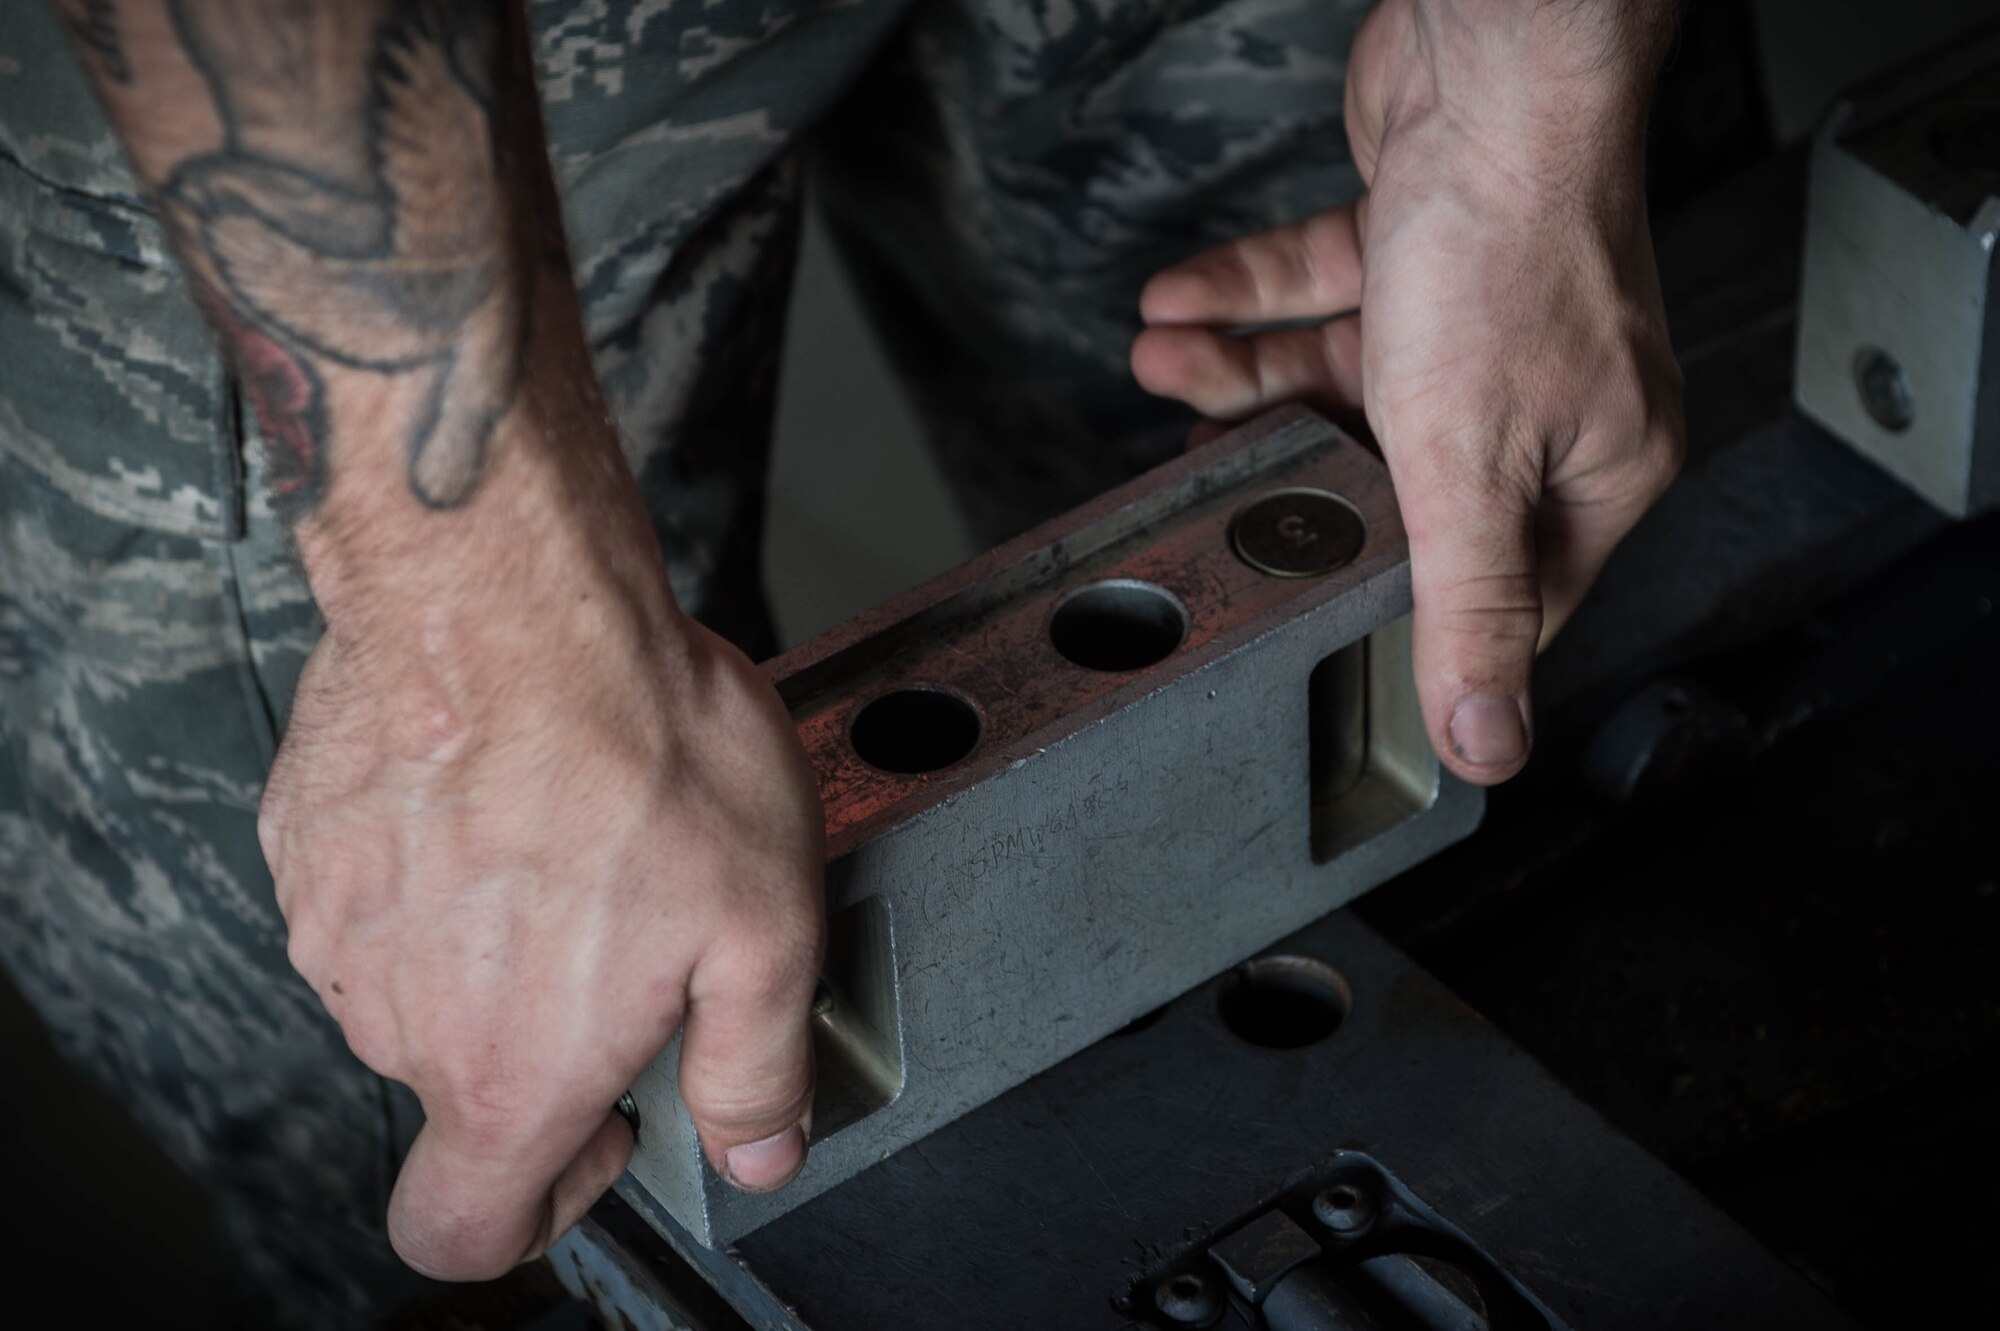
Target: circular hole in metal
x,y
1119,625
1284,1002
912,731
1884,388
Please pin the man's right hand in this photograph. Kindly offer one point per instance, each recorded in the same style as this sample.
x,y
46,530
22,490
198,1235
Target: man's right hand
x,y
517,846
528,819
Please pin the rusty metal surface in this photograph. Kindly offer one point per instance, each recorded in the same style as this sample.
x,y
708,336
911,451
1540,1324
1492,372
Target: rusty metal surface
x,y
981,630
1121,828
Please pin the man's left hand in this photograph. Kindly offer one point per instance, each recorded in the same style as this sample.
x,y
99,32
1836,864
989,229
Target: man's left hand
x,y
1511,354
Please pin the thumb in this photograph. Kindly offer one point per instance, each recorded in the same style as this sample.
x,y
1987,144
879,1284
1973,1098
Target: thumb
x,y
747,1066
1478,611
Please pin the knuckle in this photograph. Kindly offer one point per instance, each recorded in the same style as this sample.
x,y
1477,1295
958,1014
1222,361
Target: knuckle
x,y
369,1039
485,1128
1666,454
1240,259
289,893
1627,406
1493,617
740,1103
769,962
271,827
1497,625
1673,379
731,1113
480,1103
490,1111
307,946
1656,458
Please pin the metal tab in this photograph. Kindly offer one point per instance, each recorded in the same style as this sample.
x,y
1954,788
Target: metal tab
x,y
1899,312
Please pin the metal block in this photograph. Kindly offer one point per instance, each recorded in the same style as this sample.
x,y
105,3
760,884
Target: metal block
x,y
1899,314
1083,773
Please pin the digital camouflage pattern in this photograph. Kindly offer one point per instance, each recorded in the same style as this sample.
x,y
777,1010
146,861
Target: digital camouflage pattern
x,y
1003,174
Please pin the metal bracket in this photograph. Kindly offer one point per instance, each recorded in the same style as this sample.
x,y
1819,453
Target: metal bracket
x,y
1345,1247
1899,312
1083,773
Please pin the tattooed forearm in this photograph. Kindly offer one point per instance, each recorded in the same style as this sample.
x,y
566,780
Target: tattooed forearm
x,y
93,26
362,210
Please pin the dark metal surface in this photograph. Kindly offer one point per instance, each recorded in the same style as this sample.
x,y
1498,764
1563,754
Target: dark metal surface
x,y
1039,1208
1313,1301
1779,978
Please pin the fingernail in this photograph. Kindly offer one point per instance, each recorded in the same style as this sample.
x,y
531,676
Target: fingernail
x,y
1490,732
771,1163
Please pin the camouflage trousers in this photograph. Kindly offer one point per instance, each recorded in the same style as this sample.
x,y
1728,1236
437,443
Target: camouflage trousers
x,y
1002,174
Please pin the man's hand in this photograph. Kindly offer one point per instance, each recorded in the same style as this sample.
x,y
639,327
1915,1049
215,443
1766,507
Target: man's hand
x,y
1511,353
528,820
514,851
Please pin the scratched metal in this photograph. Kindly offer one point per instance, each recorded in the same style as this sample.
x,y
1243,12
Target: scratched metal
x,y
619,1285
1115,837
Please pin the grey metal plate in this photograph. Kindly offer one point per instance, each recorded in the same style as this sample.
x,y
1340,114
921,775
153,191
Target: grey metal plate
x,y
1036,1209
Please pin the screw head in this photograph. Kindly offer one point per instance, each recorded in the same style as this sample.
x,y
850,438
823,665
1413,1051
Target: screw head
x,y
1344,1209
1885,389
1298,533
1187,1300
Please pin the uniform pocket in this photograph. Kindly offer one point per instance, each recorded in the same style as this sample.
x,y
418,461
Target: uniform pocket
x,y
111,389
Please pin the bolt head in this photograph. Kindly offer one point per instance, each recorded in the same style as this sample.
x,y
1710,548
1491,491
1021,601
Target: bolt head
x,y
1187,1300
1885,389
1345,1209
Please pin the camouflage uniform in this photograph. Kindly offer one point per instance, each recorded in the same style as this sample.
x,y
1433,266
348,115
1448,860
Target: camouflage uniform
x,y
1003,174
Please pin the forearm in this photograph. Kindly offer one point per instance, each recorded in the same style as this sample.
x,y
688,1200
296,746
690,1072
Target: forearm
x,y
1564,81
1603,40
359,194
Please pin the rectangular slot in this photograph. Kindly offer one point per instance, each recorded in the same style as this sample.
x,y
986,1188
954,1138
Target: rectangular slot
x,y
1371,762
857,1031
